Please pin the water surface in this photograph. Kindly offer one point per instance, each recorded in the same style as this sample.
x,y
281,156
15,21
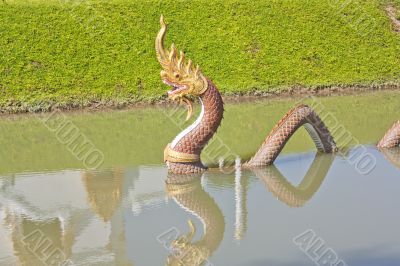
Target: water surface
x,y
129,210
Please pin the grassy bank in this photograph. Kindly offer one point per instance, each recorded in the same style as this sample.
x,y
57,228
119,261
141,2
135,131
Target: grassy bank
x,y
75,52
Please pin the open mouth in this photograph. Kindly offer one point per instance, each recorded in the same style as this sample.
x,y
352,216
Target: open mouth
x,y
176,88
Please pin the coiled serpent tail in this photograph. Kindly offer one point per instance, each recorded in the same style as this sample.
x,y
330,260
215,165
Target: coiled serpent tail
x,y
299,116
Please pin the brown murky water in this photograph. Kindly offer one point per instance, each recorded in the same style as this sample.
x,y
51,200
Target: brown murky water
x,y
307,208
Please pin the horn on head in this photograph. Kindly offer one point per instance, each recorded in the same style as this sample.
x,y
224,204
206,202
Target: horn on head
x,y
161,53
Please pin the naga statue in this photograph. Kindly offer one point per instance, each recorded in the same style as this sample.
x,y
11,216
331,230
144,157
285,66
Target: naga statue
x,y
182,155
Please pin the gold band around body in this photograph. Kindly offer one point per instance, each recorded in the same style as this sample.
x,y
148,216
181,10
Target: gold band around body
x,y
179,157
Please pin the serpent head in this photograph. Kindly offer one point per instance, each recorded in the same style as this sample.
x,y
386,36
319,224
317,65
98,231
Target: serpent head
x,y
184,78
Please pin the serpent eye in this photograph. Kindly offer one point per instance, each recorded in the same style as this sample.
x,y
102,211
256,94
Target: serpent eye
x,y
177,75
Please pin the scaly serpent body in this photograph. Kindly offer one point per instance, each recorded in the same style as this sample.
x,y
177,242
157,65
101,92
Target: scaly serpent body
x,y
193,139
301,115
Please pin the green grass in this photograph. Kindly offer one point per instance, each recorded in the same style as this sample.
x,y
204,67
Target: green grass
x,y
75,52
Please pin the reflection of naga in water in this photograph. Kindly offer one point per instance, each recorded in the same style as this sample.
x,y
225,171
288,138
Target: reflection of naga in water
x,y
296,196
190,195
